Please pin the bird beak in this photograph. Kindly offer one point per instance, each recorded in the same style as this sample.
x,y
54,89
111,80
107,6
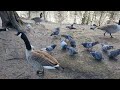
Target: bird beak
x,y
15,34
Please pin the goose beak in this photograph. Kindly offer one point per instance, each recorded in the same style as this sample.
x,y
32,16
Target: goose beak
x,y
15,34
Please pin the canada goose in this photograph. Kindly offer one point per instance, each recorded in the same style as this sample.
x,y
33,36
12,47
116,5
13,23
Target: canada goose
x,y
89,45
49,48
110,28
56,32
38,59
97,55
3,29
106,47
113,54
37,19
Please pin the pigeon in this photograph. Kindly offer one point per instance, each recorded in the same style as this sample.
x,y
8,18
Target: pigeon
x,y
113,54
56,32
72,43
71,27
89,45
67,37
63,45
70,40
106,47
97,55
93,26
49,48
71,51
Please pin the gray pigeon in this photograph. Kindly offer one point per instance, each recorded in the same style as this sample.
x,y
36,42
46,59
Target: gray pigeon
x,y
56,31
72,43
89,45
63,45
97,55
106,47
71,51
113,54
49,48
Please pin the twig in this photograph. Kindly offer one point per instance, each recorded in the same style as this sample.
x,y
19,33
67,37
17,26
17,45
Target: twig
x,y
13,59
20,74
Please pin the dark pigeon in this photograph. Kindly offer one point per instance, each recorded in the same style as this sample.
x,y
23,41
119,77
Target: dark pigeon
x,y
56,32
96,55
71,27
71,51
89,45
106,47
114,54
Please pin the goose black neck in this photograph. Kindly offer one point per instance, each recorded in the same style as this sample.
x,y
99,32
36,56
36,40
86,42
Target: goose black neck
x,y
119,22
40,15
26,41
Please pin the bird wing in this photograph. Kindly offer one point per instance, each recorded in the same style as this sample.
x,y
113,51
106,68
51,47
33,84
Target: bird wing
x,y
45,57
108,27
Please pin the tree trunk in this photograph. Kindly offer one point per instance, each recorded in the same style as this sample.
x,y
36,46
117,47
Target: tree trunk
x,y
29,14
100,17
84,17
10,19
75,16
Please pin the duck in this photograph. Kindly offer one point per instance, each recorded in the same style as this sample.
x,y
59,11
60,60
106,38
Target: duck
x,y
37,19
40,60
71,51
97,55
110,28
89,45
113,54
49,48
56,32
71,27
106,47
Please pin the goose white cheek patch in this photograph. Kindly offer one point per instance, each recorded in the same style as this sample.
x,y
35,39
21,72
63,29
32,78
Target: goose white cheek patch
x,y
19,35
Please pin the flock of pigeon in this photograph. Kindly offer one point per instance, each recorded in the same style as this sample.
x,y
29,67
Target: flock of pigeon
x,y
88,45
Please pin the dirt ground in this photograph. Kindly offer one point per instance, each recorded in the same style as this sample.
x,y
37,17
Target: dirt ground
x,y
13,64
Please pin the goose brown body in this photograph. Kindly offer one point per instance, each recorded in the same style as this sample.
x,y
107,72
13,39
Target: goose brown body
x,y
111,28
37,58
